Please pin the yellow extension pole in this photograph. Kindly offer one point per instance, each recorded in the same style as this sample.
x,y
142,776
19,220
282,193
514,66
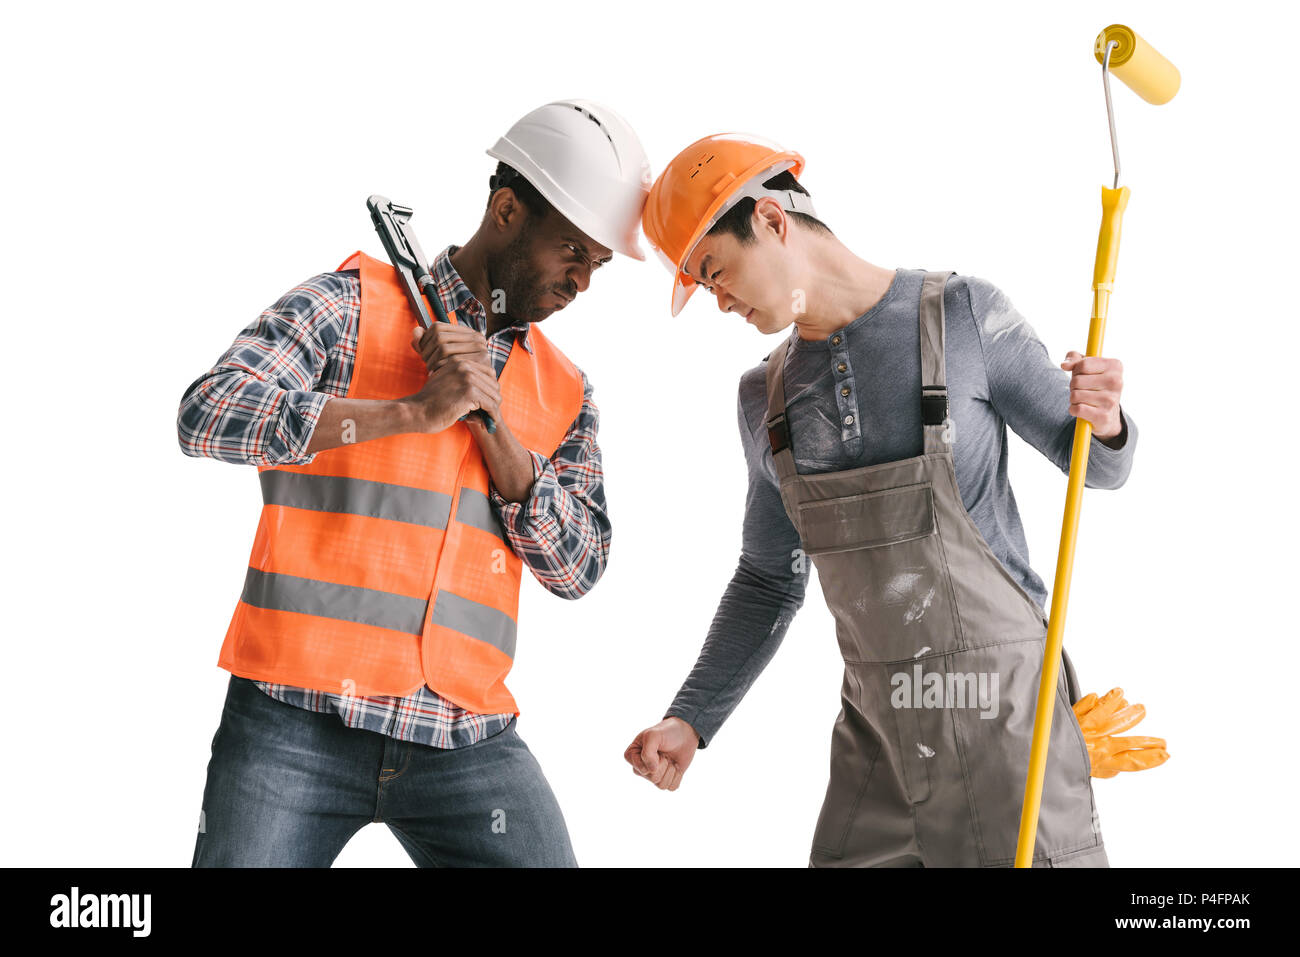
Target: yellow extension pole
x,y
1113,203
1156,80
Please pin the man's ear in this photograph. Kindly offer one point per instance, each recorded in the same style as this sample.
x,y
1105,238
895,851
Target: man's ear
x,y
768,215
506,211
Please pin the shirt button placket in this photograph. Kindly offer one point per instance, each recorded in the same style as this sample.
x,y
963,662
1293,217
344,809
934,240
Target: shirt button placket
x,y
845,398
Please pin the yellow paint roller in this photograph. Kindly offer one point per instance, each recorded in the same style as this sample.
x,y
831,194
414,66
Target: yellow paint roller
x,y
1136,62
1121,51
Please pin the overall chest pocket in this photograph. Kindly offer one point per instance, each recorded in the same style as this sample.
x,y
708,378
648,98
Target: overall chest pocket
x,y
881,563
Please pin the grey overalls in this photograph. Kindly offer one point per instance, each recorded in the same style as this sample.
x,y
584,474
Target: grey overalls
x,y
942,652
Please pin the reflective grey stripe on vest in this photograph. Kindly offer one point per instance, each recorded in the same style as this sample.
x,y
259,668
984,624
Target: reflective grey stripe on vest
x,y
476,509
307,596
331,493
369,606
476,620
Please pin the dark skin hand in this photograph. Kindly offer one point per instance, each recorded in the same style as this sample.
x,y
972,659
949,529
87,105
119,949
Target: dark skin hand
x,y
461,379
461,384
445,346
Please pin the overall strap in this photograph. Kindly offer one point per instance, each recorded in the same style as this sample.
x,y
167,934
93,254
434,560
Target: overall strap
x,y
778,427
934,382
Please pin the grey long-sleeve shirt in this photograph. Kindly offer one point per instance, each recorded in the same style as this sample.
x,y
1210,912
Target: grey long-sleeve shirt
x,y
999,373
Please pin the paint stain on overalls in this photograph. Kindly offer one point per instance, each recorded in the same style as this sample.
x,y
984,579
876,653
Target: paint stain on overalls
x,y
923,770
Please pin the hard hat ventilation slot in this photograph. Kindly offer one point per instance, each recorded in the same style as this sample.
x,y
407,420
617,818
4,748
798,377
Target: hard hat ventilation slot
x,y
601,126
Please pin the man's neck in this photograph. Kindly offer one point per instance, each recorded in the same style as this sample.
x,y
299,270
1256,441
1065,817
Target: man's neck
x,y
471,266
470,263
840,288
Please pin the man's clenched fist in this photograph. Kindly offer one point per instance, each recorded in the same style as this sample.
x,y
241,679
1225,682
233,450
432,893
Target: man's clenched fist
x,y
662,753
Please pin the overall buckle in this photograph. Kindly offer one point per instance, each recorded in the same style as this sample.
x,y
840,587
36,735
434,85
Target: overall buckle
x,y
778,432
934,408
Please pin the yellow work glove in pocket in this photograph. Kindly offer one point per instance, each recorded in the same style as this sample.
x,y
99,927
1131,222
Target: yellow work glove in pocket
x,y
1100,719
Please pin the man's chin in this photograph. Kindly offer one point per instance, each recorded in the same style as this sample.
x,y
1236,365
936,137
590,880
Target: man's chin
x,y
539,309
531,314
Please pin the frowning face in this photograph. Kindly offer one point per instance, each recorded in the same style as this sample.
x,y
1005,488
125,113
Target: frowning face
x,y
544,267
752,280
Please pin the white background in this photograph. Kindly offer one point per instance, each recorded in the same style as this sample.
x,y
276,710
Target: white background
x,y
172,170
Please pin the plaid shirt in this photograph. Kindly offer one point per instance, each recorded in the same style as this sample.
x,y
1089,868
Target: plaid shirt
x,y
260,404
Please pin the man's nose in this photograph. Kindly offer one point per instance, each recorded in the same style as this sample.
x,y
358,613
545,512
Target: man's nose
x,y
726,301
580,276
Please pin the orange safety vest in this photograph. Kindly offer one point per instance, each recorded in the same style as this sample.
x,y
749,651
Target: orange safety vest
x,y
381,566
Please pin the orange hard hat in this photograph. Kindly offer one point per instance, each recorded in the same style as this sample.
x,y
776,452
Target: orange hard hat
x,y
697,188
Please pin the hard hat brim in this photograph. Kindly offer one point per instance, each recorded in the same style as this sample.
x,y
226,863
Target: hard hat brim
x,y
682,291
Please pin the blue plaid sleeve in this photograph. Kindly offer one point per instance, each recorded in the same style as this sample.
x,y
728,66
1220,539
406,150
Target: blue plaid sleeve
x,y
260,403
561,531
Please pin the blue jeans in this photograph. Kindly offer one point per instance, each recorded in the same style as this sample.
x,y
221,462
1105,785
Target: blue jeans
x,y
288,787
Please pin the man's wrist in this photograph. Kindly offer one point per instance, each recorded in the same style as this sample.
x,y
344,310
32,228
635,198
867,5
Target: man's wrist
x,y
675,717
511,466
1117,440
409,416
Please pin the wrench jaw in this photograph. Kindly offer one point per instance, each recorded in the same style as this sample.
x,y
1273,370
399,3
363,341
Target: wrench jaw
x,y
406,256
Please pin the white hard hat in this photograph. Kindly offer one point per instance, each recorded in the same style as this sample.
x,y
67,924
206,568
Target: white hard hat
x,y
588,163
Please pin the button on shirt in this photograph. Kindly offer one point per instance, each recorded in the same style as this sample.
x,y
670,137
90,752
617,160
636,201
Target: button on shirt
x,y
260,403
852,400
